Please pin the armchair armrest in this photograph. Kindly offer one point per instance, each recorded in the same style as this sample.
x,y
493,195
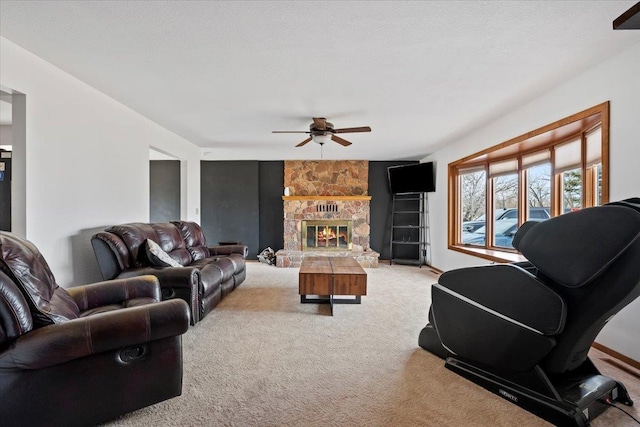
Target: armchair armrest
x,y
228,250
115,291
62,342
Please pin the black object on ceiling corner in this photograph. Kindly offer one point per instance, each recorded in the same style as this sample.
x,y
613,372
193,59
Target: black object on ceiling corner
x,y
630,20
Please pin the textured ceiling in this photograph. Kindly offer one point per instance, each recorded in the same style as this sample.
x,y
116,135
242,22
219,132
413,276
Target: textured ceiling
x,y
223,75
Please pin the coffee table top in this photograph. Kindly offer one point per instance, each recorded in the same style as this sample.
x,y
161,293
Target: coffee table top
x,y
315,265
330,265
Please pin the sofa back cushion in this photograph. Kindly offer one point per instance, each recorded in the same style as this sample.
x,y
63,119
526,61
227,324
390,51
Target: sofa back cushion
x,y
134,236
21,261
170,240
194,239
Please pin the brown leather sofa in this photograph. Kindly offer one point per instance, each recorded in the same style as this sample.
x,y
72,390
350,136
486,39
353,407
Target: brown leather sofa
x,y
204,276
84,355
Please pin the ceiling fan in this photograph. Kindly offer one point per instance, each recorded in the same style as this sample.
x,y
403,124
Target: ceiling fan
x,y
321,131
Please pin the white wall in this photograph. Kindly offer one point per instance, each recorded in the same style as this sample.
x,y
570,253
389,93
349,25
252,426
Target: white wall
x,y
5,135
87,162
616,80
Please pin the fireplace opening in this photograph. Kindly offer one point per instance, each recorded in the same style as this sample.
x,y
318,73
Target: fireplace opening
x,y
326,234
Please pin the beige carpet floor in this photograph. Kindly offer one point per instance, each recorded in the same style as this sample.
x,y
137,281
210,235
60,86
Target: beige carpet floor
x,y
263,359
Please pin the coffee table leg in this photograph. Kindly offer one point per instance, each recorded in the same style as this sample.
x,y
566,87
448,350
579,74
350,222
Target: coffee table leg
x,y
332,292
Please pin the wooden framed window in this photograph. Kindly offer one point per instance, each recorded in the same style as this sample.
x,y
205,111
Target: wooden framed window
x,y
550,171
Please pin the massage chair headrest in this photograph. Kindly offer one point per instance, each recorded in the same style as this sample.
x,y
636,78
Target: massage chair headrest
x,y
574,248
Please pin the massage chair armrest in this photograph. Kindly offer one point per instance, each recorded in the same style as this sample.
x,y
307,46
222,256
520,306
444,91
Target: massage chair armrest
x,y
499,315
511,291
63,342
228,250
115,291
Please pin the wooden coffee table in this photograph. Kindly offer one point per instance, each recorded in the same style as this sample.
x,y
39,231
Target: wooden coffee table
x,y
325,277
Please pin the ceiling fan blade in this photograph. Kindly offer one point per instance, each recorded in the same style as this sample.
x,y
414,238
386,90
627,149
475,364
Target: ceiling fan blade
x,y
340,141
350,130
290,131
303,142
320,123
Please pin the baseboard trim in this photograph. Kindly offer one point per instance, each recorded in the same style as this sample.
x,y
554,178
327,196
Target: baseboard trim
x,y
435,269
629,361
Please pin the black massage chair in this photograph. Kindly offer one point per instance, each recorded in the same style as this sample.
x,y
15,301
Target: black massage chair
x,y
523,330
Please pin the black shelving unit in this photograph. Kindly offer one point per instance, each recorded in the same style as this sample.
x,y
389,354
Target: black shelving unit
x,y
408,242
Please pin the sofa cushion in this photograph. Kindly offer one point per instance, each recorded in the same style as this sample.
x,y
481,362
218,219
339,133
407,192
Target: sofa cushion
x,y
238,262
194,239
170,240
21,261
158,257
211,277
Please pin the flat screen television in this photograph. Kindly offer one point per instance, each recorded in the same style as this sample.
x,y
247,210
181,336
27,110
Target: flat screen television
x,y
414,178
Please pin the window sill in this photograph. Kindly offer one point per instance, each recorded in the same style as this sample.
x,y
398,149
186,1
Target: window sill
x,y
490,254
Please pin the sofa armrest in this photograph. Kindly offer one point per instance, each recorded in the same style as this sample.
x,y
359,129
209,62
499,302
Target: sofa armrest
x,y
228,250
115,291
63,342
111,254
168,277
182,282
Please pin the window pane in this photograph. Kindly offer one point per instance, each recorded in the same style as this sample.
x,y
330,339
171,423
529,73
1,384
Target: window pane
x,y
571,190
539,191
505,199
473,197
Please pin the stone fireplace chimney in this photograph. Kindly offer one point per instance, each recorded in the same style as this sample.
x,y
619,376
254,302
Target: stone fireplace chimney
x,y
331,191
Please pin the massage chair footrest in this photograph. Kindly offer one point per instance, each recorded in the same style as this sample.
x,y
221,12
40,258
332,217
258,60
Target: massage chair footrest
x,y
573,402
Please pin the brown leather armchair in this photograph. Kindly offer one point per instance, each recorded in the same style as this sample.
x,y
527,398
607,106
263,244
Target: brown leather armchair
x,y
84,355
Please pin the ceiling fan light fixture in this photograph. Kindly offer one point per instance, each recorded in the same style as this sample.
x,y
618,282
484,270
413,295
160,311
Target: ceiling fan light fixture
x,y
321,139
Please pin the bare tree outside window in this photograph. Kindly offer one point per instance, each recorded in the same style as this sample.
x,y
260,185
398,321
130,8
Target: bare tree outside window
x,y
539,178
506,191
473,191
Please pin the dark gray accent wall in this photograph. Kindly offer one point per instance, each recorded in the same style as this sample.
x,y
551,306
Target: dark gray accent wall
x,y
230,203
381,200
242,201
271,189
5,196
164,194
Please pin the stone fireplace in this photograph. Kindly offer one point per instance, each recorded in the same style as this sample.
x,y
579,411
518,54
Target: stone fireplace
x,y
330,194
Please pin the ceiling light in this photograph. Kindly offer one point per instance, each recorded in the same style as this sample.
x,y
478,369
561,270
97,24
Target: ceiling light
x,y
321,139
